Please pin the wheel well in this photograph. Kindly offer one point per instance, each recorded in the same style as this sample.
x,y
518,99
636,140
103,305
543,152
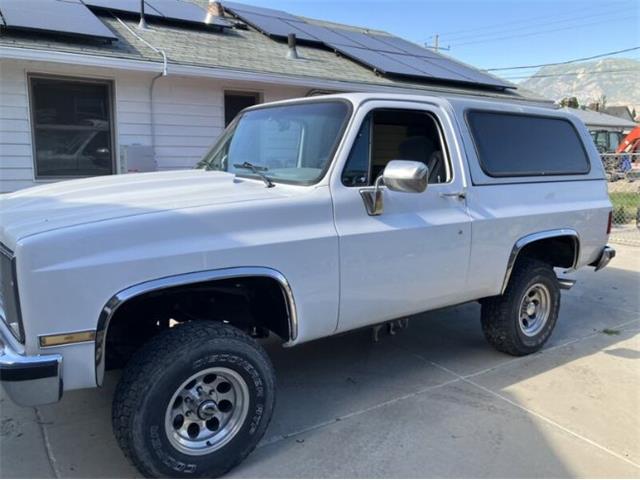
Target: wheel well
x,y
561,251
558,249
254,304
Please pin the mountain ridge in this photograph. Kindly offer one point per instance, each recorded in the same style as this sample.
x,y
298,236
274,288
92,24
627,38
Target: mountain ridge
x,y
617,79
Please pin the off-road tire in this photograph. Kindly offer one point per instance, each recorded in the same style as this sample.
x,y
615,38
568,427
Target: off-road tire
x,y
500,315
159,368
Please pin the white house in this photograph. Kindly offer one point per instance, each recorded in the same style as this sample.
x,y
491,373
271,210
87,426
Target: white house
x,y
73,106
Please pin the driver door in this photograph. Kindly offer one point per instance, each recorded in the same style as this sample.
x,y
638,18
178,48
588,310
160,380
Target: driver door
x,y
414,256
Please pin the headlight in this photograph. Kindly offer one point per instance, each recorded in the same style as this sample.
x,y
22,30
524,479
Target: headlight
x,y
9,301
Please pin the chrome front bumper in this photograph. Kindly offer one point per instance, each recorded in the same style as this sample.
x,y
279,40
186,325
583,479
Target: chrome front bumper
x,y
605,257
30,380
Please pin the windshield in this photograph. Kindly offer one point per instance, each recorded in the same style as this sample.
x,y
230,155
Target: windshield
x,y
289,143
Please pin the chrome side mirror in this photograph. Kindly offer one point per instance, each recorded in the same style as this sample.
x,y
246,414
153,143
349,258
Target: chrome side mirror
x,y
398,176
406,176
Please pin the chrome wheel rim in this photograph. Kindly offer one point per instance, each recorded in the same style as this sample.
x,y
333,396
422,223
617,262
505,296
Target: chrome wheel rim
x,y
207,411
534,309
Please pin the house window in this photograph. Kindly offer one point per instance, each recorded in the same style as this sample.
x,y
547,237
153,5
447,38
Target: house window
x,y
72,127
235,102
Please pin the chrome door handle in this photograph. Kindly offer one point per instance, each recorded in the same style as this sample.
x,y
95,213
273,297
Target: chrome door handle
x,y
458,195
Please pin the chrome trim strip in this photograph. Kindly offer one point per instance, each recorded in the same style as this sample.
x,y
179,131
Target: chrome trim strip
x,y
4,250
66,338
121,297
533,237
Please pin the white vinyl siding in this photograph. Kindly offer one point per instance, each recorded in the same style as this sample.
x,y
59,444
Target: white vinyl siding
x,y
16,162
188,115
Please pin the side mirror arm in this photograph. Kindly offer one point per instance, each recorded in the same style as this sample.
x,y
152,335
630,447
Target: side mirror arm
x,y
372,197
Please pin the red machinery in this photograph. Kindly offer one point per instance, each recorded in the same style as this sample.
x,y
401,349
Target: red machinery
x,y
630,143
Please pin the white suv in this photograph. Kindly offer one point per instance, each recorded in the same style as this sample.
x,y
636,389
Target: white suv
x,y
308,218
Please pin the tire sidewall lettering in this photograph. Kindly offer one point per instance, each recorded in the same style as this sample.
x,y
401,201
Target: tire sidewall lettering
x,y
185,464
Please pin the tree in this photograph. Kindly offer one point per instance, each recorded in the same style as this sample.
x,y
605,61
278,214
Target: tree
x,y
571,102
602,102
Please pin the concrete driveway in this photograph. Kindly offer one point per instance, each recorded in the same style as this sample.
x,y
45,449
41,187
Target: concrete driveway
x,y
432,401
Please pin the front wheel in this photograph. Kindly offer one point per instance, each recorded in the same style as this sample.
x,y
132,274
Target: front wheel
x,y
520,321
194,402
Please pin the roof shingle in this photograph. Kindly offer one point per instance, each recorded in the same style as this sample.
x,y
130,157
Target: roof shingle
x,y
236,49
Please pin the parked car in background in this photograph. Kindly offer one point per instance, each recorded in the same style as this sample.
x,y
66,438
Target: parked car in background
x,y
308,218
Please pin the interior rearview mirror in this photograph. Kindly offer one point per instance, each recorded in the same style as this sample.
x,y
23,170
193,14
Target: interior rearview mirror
x,y
398,176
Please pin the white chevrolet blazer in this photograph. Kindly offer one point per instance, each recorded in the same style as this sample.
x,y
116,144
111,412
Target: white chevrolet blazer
x,y
308,218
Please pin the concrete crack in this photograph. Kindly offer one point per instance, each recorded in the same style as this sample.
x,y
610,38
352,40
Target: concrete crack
x,y
47,444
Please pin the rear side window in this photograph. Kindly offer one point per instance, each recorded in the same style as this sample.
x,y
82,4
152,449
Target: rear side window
x,y
515,145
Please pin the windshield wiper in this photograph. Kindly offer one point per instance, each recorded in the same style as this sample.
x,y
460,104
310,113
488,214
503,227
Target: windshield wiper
x,y
257,170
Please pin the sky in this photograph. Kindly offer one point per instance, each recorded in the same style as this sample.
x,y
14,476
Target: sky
x,y
494,33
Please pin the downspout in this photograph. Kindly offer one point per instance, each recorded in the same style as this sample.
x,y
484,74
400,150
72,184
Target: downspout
x,y
164,73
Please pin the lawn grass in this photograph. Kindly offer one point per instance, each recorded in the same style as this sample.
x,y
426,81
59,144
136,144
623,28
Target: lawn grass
x,y
625,206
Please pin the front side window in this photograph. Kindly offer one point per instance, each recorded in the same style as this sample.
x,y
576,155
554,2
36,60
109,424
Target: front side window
x,y
72,127
290,143
517,145
387,135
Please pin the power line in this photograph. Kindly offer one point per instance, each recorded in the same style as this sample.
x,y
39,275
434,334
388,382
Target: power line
x,y
571,74
463,37
531,34
524,20
565,62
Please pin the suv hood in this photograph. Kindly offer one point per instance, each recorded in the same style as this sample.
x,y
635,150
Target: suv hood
x,y
65,204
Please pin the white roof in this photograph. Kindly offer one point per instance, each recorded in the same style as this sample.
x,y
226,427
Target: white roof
x,y
602,120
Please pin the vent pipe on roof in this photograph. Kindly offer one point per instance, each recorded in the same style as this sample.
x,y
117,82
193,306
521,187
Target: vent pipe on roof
x,y
292,53
143,22
214,9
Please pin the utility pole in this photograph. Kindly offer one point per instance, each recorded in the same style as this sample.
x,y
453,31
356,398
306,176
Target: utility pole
x,y
436,44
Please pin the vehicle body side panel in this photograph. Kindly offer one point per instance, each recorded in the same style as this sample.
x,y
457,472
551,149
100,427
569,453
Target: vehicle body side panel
x,y
504,210
499,222
411,258
294,235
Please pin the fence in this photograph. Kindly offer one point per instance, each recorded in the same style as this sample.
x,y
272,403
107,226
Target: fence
x,y
624,191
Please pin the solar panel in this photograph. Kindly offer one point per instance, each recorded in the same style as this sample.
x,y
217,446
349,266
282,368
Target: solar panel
x,y
435,69
265,12
321,34
274,27
471,74
363,40
402,45
384,53
184,12
126,6
378,61
69,17
173,10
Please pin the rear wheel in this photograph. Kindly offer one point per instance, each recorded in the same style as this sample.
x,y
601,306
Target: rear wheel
x,y
520,321
194,401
